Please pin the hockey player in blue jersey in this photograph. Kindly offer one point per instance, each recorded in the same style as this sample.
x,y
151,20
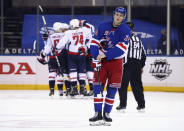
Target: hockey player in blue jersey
x,y
114,37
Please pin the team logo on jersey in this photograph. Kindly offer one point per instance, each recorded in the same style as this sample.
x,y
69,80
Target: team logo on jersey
x,y
96,33
106,33
160,69
127,38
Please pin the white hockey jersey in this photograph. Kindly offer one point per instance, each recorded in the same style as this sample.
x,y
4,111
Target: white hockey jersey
x,y
52,42
77,39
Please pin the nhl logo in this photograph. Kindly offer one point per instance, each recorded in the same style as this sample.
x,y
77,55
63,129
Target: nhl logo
x,y
160,69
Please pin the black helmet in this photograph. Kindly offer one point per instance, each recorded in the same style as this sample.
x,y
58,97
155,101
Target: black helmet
x,y
130,24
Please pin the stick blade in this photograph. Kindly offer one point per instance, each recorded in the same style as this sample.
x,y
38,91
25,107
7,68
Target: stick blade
x,y
34,45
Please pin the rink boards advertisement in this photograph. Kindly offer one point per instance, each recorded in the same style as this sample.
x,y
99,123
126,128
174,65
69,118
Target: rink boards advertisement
x,y
24,72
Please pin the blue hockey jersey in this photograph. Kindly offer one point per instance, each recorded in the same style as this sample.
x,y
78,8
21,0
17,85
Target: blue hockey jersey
x,y
117,40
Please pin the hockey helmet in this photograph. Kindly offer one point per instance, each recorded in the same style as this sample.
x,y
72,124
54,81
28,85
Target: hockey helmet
x,y
74,23
121,10
65,26
57,26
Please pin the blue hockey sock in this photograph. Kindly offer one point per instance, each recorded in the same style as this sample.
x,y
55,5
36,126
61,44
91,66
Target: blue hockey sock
x,y
109,100
98,97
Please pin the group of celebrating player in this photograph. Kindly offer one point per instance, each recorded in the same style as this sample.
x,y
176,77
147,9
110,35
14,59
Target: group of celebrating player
x,y
70,59
73,50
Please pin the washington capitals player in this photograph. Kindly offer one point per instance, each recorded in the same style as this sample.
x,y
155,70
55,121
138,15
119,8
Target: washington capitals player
x,y
51,43
76,55
89,68
116,34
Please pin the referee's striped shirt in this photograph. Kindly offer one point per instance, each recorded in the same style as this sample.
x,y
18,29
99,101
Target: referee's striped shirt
x,y
136,49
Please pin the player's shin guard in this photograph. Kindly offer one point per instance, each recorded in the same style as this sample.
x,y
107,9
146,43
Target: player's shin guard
x,y
60,88
82,87
51,86
98,97
74,90
109,101
68,87
98,101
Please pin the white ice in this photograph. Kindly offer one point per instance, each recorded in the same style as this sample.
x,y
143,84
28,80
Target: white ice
x,y
36,111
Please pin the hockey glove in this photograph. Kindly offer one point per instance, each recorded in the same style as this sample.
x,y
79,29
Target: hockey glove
x,y
96,64
45,37
81,51
41,58
82,23
103,43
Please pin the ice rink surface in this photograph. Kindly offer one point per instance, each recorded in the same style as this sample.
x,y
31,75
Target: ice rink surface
x,y
35,111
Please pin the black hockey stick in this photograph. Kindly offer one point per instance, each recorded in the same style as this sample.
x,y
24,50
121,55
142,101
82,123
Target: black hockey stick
x,y
54,50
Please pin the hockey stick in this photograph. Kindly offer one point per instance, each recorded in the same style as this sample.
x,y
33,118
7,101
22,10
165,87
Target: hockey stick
x,y
34,47
45,25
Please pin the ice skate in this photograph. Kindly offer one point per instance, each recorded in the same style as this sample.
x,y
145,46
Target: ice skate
x,y
60,93
51,93
121,108
68,91
73,91
83,91
141,109
90,93
107,120
96,120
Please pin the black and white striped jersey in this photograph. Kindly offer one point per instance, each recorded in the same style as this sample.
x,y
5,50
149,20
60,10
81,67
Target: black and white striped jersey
x,y
136,49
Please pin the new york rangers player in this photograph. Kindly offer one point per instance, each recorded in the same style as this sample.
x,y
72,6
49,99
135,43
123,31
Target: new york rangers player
x,y
114,36
77,38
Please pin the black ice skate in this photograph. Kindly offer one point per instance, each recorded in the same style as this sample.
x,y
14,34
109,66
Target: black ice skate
x,y
107,119
51,93
141,109
74,91
96,120
67,91
83,91
90,93
60,93
121,108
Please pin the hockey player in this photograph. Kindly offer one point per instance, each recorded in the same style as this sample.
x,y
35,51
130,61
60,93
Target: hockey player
x,y
89,68
55,60
116,34
76,55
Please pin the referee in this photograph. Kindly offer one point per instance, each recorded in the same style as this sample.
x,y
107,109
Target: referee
x,y
132,72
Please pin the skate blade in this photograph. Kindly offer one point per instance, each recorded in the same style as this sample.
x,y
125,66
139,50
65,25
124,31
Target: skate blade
x,y
105,123
51,96
141,111
96,123
122,110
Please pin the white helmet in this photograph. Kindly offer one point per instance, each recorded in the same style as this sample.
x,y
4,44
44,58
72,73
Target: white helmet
x,y
65,26
74,23
57,26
